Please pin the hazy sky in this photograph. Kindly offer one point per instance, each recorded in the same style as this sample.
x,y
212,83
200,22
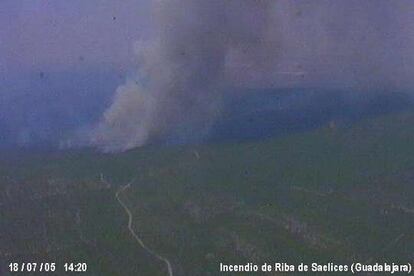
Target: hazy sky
x,y
339,39
53,35
69,56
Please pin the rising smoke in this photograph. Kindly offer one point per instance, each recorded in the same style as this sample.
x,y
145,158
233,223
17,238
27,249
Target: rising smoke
x,y
201,47
179,82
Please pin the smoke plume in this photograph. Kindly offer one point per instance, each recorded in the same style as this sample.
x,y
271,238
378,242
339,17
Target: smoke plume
x,y
199,48
178,85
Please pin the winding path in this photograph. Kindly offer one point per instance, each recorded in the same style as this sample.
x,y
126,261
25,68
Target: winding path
x,y
131,230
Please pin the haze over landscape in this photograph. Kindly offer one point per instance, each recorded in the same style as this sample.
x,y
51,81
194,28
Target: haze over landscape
x,y
172,137
119,75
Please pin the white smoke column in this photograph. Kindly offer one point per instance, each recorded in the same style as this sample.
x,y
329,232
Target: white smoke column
x,y
180,76
202,46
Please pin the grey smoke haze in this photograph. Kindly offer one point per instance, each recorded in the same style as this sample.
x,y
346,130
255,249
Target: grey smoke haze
x,y
60,61
200,48
182,71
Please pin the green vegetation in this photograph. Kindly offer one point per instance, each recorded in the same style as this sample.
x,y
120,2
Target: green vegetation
x,y
334,194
